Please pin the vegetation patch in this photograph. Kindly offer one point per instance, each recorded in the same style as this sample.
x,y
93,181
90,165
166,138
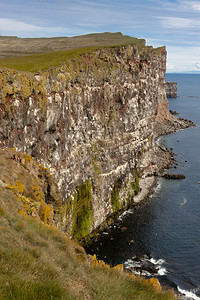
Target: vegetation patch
x,y
115,200
136,185
82,210
38,261
95,165
31,184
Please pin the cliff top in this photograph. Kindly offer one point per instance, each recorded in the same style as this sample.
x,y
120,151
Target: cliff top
x,y
39,54
12,46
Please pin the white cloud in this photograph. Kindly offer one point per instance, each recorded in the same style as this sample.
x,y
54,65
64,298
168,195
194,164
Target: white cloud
x,y
183,58
197,65
172,22
170,67
12,26
194,5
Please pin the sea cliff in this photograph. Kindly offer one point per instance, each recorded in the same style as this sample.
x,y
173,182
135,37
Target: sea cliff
x,y
93,122
171,89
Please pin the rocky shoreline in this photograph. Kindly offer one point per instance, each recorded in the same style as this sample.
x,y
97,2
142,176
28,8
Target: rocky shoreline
x,y
165,158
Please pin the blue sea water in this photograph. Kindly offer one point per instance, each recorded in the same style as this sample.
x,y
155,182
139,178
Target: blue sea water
x,y
162,237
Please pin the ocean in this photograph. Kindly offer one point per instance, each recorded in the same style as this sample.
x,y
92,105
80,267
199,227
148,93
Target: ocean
x,y
161,238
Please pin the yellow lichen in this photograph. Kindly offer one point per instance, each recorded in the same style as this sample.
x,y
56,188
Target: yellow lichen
x,y
46,213
19,186
28,158
155,283
12,187
37,191
99,263
29,207
119,268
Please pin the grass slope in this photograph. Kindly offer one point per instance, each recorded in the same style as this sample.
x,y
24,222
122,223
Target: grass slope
x,y
14,46
37,55
40,62
37,261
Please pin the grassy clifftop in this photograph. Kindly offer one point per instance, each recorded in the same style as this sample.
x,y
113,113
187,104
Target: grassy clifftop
x,y
14,46
36,55
37,261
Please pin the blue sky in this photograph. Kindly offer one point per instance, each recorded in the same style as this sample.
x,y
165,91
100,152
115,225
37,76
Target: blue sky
x,y
174,23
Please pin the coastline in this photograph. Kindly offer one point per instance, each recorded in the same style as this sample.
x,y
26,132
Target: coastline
x,y
149,183
164,159
166,156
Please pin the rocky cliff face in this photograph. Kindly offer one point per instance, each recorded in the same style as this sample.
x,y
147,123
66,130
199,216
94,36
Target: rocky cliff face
x,y
171,89
93,122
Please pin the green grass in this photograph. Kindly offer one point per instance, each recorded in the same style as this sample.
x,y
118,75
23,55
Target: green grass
x,y
40,62
74,48
38,261
14,46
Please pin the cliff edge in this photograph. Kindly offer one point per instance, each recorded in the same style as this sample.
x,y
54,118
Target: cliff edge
x,y
93,121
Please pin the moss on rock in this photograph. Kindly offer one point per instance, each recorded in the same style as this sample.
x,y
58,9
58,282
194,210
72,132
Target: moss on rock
x,y
82,210
115,196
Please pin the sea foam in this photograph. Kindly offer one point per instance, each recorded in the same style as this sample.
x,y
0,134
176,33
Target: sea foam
x,y
189,295
142,265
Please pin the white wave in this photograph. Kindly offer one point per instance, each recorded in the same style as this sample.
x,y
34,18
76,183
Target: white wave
x,y
162,271
157,262
142,273
157,189
129,211
158,141
189,295
184,202
135,264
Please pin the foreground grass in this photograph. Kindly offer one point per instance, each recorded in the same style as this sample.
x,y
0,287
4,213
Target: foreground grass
x,y
38,262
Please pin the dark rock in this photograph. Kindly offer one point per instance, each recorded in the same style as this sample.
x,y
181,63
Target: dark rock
x,y
131,242
173,112
149,268
123,228
174,176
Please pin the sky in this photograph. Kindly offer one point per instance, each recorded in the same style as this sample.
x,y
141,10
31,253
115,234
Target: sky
x,y
172,23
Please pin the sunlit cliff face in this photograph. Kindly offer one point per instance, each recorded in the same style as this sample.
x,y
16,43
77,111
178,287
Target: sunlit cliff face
x,y
93,122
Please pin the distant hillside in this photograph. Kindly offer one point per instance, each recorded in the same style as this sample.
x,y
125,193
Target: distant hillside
x,y
13,46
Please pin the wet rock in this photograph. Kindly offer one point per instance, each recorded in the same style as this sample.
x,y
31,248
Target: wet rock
x,y
174,176
123,229
173,112
149,268
131,242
